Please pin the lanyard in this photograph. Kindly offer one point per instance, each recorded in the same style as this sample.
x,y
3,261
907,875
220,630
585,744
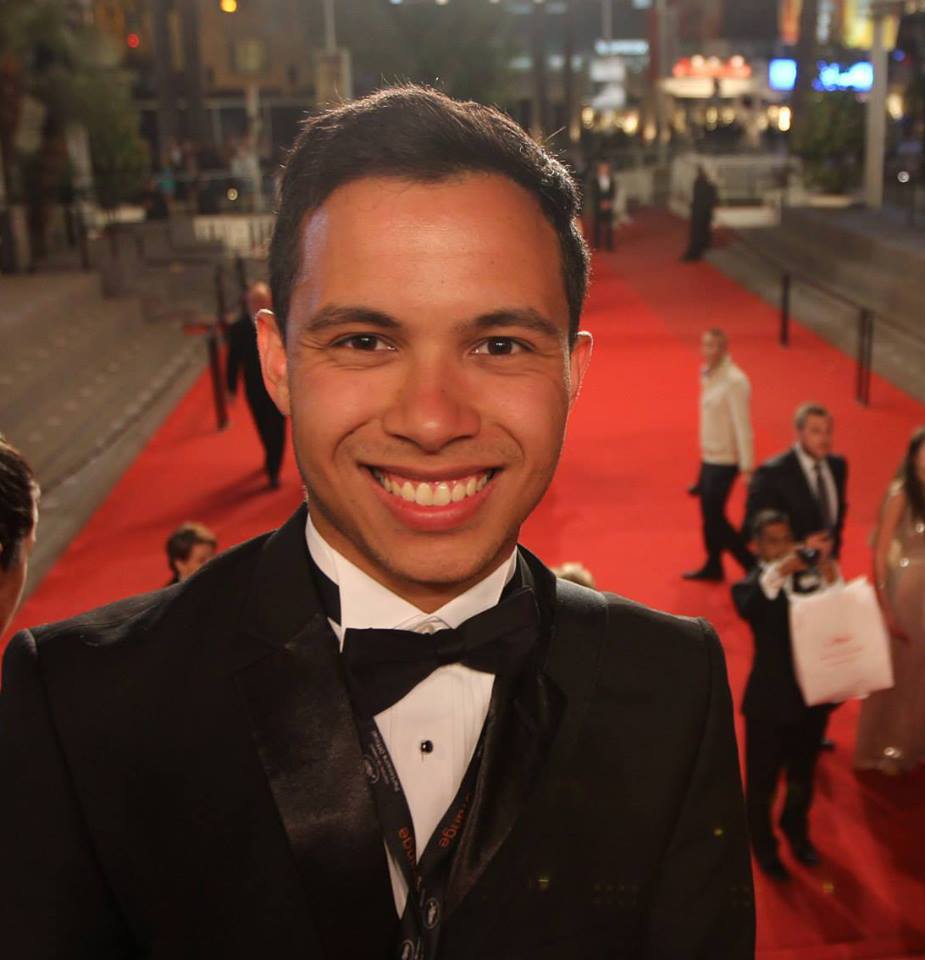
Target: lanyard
x,y
426,878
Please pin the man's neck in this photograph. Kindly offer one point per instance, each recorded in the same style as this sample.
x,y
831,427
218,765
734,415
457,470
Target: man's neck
x,y
426,597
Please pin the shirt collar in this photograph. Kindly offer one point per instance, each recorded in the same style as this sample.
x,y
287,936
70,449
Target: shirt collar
x,y
721,369
365,603
807,462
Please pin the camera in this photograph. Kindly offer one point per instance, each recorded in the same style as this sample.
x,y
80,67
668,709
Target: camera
x,y
809,555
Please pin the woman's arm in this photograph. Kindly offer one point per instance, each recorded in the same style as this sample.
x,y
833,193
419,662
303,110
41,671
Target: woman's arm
x,y
892,512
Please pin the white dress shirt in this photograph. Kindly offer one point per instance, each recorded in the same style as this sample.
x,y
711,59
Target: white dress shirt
x,y
773,580
448,708
808,464
725,418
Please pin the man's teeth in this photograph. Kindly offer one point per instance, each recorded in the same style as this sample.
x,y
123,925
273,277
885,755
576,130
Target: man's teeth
x,y
433,494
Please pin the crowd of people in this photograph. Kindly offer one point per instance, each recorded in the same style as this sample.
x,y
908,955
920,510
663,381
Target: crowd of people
x,y
387,704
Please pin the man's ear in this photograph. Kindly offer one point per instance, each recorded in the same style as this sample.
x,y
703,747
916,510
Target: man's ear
x,y
579,360
273,359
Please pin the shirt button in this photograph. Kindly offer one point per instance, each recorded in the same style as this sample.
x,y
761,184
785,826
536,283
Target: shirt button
x,y
427,746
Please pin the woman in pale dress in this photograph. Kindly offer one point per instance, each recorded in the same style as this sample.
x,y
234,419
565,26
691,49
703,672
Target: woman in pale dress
x,y
891,732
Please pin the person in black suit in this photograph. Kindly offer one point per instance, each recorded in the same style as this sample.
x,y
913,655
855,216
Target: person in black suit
x,y
603,195
243,358
782,734
808,482
386,730
704,198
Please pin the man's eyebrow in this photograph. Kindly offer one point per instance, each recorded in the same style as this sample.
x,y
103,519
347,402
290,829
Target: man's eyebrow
x,y
336,315
527,317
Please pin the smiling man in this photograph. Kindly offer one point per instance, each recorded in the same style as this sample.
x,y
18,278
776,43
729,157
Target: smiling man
x,y
386,730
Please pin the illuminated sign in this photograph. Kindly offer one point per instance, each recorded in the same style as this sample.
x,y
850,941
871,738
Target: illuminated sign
x,y
713,68
782,76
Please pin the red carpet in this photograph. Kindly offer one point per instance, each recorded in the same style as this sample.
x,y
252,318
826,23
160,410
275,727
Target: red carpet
x,y
618,505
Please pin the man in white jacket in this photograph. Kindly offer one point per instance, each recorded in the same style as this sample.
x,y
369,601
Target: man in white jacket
x,y
726,449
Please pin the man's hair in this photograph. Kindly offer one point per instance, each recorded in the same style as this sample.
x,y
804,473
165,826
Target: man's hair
x,y
914,489
415,133
181,542
767,518
807,410
718,333
18,495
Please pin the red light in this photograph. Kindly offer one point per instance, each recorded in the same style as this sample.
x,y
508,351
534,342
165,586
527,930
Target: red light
x,y
133,40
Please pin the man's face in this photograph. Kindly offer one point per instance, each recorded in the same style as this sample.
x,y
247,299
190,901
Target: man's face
x,y
712,349
775,542
816,436
427,373
201,553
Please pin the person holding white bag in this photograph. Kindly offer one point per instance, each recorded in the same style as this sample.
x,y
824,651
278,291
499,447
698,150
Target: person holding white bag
x,y
891,731
782,733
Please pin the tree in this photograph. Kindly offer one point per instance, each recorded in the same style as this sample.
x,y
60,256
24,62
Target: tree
x,y
461,48
71,72
830,141
118,152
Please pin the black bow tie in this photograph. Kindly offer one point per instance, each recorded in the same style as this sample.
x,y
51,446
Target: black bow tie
x,y
384,665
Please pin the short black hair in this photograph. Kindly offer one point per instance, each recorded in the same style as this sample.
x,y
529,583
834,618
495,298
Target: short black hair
x,y
767,518
416,133
18,495
181,542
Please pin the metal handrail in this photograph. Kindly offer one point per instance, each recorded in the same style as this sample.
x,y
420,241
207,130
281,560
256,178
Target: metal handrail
x,y
867,315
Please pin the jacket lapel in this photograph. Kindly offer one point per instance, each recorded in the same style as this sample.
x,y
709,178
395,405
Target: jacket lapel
x,y
804,492
288,668
530,729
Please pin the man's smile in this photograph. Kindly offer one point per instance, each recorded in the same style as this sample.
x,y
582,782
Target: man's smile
x,y
437,492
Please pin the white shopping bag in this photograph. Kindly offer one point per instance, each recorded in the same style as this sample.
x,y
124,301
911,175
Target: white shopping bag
x,y
841,648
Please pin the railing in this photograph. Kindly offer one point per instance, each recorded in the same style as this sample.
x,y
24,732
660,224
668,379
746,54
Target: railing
x,y
867,315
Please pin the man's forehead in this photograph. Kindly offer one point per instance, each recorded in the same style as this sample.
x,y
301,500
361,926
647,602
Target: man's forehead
x,y
408,205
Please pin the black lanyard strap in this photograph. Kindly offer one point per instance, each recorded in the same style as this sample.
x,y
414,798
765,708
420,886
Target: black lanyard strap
x,y
426,877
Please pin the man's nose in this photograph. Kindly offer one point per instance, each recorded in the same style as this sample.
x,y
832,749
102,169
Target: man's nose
x,y
433,406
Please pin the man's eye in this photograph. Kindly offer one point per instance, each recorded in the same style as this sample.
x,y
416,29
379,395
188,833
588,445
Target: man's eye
x,y
500,347
367,342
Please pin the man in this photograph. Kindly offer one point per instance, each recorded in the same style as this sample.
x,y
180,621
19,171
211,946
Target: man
x,y
603,193
703,203
807,482
19,497
243,357
726,448
189,547
782,734
395,734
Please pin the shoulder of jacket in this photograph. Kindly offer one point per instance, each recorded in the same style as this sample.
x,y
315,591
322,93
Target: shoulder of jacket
x,y
140,614
628,618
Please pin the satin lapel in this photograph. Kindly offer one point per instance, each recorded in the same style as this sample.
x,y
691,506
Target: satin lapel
x,y
530,730
288,668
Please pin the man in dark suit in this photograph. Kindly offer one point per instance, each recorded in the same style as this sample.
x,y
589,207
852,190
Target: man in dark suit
x,y
386,730
782,733
603,194
243,358
807,482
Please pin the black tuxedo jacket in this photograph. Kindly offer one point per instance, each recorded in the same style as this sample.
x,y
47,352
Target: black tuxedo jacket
x,y
771,693
780,484
182,778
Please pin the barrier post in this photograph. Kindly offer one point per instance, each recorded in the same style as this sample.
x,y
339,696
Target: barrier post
x,y
785,309
865,356
215,360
